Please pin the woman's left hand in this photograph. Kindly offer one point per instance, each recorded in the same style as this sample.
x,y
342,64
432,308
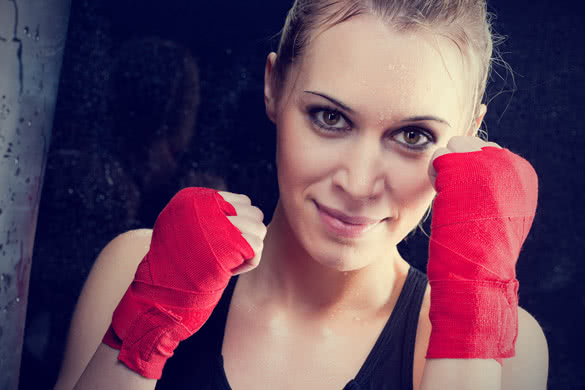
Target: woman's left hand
x,y
458,144
484,208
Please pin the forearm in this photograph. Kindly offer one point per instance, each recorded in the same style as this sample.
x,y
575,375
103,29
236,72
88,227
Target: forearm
x,y
461,374
105,372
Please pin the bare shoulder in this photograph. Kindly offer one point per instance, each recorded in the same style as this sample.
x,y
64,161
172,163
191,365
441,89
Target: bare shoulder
x,y
110,276
116,264
127,249
529,368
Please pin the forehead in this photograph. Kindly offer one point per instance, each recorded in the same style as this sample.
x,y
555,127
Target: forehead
x,y
380,71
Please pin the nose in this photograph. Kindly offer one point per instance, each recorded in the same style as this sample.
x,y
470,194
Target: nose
x,y
361,174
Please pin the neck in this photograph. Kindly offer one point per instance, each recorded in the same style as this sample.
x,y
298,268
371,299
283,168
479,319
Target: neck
x,y
291,278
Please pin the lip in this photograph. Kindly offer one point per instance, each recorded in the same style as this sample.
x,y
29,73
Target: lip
x,y
339,223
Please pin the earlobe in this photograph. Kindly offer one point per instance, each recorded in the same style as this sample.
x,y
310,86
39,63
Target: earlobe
x,y
269,99
474,129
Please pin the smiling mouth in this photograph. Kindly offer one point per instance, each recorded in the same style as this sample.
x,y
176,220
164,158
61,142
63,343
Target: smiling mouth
x,y
341,224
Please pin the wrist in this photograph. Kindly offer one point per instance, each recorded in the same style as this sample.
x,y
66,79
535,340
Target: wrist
x,y
473,319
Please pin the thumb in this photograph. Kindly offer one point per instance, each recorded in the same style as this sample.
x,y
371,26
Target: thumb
x,y
431,170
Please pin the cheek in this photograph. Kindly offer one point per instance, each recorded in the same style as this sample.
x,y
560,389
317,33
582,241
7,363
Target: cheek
x,y
301,157
411,187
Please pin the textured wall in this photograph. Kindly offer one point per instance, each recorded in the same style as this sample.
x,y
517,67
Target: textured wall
x,y
32,41
91,193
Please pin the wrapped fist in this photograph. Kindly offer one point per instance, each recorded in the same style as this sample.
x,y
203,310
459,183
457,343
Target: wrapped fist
x,y
484,208
199,241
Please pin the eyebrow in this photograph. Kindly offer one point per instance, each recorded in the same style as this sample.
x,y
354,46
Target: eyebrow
x,y
332,100
418,118
426,118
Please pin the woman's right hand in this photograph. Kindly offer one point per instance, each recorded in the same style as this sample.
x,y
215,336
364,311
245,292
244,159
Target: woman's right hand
x,y
200,239
248,220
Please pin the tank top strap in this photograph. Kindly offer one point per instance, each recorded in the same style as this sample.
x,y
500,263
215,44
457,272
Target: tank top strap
x,y
393,353
417,291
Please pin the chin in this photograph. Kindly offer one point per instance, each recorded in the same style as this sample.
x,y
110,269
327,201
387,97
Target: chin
x,y
339,263
339,254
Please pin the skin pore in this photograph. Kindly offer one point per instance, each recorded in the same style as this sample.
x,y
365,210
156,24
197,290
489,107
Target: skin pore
x,y
358,120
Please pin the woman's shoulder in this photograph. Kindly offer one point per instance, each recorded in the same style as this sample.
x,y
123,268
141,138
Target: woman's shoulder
x,y
528,369
118,260
110,276
128,247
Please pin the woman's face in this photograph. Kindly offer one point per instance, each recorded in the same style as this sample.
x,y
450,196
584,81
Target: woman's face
x,y
357,122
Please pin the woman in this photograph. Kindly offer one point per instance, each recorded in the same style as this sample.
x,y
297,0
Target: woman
x,y
376,106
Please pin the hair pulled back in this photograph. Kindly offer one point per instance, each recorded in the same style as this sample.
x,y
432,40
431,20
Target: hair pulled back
x,y
466,22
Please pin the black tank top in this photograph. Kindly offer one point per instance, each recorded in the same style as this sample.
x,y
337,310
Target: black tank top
x,y
198,363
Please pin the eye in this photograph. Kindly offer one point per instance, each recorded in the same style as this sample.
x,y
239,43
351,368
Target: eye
x,y
328,119
414,138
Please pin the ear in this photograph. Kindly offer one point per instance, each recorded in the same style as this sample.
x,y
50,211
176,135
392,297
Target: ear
x,y
269,92
477,122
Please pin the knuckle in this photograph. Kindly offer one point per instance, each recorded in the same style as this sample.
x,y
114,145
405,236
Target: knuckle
x,y
439,152
259,213
264,229
235,198
254,241
455,142
254,261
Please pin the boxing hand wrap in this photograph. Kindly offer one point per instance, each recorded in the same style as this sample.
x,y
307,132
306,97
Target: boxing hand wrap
x,y
193,250
484,208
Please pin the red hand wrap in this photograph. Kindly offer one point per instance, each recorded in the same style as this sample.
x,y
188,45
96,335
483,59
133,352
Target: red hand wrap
x,y
485,205
193,250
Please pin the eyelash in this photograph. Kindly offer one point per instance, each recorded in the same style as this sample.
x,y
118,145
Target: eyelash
x,y
315,110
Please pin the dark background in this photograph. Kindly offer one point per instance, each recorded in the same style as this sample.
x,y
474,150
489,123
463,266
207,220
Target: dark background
x,y
89,195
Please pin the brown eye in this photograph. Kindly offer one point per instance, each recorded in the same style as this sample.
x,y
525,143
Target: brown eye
x,y
328,120
331,118
412,137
